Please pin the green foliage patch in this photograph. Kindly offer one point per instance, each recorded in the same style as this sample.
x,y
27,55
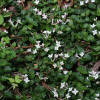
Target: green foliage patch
x,y
48,52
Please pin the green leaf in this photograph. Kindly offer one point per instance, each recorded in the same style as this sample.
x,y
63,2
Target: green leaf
x,y
98,11
98,25
82,70
1,19
81,87
17,79
96,48
90,38
7,14
11,80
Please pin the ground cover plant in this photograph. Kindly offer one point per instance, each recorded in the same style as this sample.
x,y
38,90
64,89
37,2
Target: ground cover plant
x,y
49,49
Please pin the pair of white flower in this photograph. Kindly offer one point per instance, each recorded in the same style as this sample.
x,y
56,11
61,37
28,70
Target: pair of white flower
x,y
47,32
94,31
30,50
86,1
75,91
44,16
63,85
57,45
51,55
97,96
55,65
26,79
11,22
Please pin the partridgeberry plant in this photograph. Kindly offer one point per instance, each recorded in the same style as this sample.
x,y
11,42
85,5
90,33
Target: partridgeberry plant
x,y
49,50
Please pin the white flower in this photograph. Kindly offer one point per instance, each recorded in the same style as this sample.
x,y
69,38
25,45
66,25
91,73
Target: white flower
x,y
56,48
97,99
70,89
66,6
49,32
67,20
29,50
5,31
44,16
61,68
58,43
62,85
94,32
36,2
18,21
50,56
97,95
39,13
75,91
97,82
55,65
26,80
35,9
44,32
42,44
61,54
53,9
11,22
87,1
66,55
25,76
5,10
76,55
81,54
59,32
65,72
55,56
81,3
55,93
93,25
37,46
46,49
95,19
94,74
63,16
34,51
19,1
92,0
38,42
68,96
61,63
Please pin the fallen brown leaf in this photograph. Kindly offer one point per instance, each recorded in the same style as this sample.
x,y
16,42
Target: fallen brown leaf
x,y
96,66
